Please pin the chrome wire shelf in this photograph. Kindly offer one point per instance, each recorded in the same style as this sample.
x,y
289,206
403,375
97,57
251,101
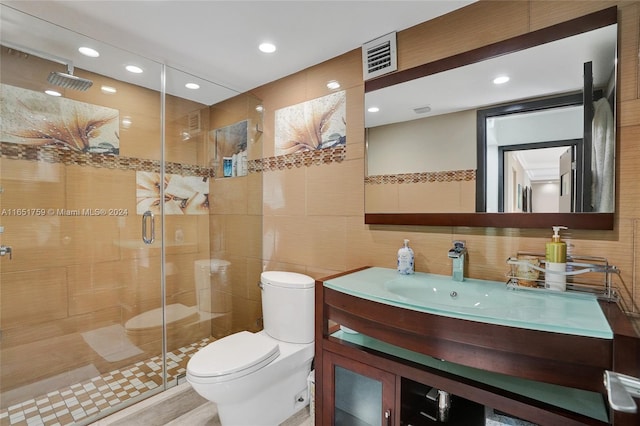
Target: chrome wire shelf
x,y
585,274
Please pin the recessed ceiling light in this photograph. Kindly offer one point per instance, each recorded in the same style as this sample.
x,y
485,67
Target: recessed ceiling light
x,y
87,51
52,93
134,69
373,109
333,85
267,47
500,80
192,86
259,108
108,90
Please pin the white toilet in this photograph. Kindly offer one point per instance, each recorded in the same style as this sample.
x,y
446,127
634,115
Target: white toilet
x,y
260,379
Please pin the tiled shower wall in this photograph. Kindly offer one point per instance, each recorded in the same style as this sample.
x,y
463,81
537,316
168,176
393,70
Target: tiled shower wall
x,y
314,216
72,275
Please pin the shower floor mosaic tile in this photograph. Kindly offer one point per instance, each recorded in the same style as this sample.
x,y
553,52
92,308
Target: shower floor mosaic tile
x,y
77,402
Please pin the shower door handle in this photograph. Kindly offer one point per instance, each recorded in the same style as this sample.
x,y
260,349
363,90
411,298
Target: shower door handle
x,y
148,235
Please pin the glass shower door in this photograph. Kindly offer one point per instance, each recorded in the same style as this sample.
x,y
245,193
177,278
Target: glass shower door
x,y
81,265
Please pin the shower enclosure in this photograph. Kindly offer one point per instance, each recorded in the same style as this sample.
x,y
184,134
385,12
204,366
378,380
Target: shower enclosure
x,y
120,252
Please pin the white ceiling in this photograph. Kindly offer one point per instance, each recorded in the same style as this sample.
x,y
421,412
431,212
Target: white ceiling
x,y
218,40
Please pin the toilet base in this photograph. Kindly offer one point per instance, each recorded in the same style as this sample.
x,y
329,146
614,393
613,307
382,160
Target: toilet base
x,y
271,405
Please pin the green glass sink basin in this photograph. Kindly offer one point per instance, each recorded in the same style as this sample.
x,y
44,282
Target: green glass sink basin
x,y
485,301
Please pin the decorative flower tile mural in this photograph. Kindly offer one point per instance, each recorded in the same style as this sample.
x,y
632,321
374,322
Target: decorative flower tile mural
x,y
182,194
35,118
317,124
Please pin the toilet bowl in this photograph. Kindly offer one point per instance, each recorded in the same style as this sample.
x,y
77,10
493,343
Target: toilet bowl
x,y
260,379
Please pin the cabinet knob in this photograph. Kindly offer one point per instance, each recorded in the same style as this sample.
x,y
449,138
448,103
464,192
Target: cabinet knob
x,y
387,415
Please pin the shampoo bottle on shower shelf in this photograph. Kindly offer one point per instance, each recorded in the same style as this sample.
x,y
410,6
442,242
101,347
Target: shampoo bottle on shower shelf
x,y
405,259
556,262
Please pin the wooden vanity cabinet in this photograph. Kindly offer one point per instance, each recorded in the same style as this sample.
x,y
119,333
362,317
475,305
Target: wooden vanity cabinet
x,y
334,350
391,371
343,379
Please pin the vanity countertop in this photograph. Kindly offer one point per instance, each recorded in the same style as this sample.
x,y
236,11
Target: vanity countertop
x,y
483,301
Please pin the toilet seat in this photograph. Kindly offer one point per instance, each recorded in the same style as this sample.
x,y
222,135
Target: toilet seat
x,y
232,357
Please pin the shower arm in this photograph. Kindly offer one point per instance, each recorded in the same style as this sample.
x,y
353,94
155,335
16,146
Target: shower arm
x,y
47,56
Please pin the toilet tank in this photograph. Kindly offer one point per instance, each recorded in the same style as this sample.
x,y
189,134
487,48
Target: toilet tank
x,y
288,306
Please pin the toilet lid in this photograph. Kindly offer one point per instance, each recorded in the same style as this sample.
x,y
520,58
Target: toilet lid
x,y
243,352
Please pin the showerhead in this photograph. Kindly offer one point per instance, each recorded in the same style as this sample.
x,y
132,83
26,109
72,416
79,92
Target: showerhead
x,y
69,81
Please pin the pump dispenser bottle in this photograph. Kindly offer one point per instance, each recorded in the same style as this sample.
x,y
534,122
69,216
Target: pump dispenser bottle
x,y
556,262
405,259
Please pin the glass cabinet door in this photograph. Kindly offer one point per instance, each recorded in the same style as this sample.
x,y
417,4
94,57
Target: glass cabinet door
x,y
358,394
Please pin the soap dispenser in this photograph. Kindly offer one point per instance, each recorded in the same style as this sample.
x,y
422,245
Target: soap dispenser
x,y
556,262
405,259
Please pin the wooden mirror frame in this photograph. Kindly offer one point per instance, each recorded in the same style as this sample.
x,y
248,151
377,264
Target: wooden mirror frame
x,y
569,28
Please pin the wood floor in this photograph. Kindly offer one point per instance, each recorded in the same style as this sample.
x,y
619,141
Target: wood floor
x,y
180,406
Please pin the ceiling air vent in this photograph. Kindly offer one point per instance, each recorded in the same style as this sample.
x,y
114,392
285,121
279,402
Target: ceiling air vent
x,y
379,56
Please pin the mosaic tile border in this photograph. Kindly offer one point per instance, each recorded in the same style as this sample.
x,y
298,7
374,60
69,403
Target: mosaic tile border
x,y
299,159
424,177
80,401
55,154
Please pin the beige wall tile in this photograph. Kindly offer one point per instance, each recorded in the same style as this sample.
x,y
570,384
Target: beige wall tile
x,y
355,123
100,188
242,235
184,144
90,239
544,16
429,197
33,239
284,192
346,69
468,196
629,113
32,234
184,232
254,193
322,181
628,164
181,276
142,292
312,240
381,198
439,38
254,269
94,286
142,138
628,60
31,297
229,195
237,273
216,233
246,315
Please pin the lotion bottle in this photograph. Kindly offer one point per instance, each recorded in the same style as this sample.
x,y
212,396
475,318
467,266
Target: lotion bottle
x,y
405,259
556,262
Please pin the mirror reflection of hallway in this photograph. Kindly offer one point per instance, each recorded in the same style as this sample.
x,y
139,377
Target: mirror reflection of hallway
x,y
539,180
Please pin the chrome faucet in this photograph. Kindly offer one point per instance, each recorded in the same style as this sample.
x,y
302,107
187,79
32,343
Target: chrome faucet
x,y
458,254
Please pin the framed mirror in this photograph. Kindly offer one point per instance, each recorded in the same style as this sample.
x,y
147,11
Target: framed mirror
x,y
443,150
